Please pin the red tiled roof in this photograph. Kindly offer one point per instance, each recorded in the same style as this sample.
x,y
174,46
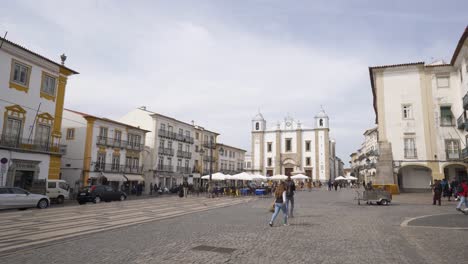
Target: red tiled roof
x,y
36,54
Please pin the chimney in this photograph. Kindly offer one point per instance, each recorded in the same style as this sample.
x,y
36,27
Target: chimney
x,y
142,108
193,123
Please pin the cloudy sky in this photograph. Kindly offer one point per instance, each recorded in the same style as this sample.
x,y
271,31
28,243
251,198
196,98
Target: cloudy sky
x,y
220,62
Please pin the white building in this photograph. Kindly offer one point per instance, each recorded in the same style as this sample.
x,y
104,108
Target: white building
x,y
230,160
289,146
101,150
174,148
364,160
31,99
416,106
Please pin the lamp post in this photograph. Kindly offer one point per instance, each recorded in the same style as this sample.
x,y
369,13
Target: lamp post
x,y
202,153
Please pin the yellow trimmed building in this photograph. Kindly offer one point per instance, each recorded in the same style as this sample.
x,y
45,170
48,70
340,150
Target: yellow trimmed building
x,y
31,98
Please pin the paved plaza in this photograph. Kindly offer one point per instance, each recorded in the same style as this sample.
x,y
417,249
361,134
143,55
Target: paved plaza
x,y
329,227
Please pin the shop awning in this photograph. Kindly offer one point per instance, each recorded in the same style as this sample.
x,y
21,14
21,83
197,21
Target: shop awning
x,y
114,177
134,177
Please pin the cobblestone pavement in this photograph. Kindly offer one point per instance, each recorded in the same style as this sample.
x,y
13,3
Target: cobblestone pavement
x,y
21,229
329,227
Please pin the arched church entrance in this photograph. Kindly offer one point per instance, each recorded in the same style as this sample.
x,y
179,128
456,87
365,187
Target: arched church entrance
x,y
288,166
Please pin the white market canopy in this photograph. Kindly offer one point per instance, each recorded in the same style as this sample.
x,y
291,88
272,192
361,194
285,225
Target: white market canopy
x,y
278,177
243,176
299,177
340,178
218,176
351,178
258,177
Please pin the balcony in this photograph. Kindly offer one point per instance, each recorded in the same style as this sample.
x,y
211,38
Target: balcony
x,y
167,134
462,122
185,170
465,101
166,151
118,143
27,145
184,154
165,168
171,135
115,168
451,155
411,154
207,144
231,172
464,153
208,159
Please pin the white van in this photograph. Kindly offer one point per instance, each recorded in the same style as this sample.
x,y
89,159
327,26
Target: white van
x,y
57,190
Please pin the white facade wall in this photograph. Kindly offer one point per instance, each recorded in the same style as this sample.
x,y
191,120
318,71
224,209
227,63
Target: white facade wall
x,y
30,101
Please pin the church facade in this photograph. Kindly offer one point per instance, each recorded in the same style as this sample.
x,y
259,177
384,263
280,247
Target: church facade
x,y
290,148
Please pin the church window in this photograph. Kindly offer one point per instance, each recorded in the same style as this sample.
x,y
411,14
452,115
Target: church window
x,y
307,146
321,122
288,145
269,147
307,161
269,162
257,126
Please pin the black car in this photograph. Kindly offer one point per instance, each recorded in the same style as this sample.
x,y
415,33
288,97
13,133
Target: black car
x,y
98,193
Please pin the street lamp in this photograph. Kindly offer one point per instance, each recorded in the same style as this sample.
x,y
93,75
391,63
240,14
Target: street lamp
x,y
202,153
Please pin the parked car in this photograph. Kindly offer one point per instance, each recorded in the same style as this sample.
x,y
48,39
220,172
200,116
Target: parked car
x,y
98,193
14,197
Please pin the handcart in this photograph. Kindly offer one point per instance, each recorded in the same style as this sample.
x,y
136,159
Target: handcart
x,y
371,196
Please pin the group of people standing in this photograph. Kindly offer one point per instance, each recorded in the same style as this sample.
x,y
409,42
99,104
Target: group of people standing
x,y
442,188
284,201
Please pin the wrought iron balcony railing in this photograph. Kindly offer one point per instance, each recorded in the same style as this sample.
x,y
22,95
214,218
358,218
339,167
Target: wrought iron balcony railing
x,y
115,168
166,151
447,121
165,168
171,135
185,170
184,154
27,145
208,159
464,153
209,144
462,122
465,101
118,143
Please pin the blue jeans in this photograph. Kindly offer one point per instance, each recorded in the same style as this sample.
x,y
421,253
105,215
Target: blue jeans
x,y
463,200
290,209
278,207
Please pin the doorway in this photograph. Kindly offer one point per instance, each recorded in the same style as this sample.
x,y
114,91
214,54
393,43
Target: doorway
x,y
23,179
288,171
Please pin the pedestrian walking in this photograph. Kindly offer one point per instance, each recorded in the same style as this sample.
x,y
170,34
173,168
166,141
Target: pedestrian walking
x,y
437,191
151,188
185,188
462,193
280,204
330,185
446,190
290,190
335,184
454,184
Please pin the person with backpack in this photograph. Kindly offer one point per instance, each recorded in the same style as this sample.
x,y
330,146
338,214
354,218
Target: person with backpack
x,y
462,193
280,204
290,189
